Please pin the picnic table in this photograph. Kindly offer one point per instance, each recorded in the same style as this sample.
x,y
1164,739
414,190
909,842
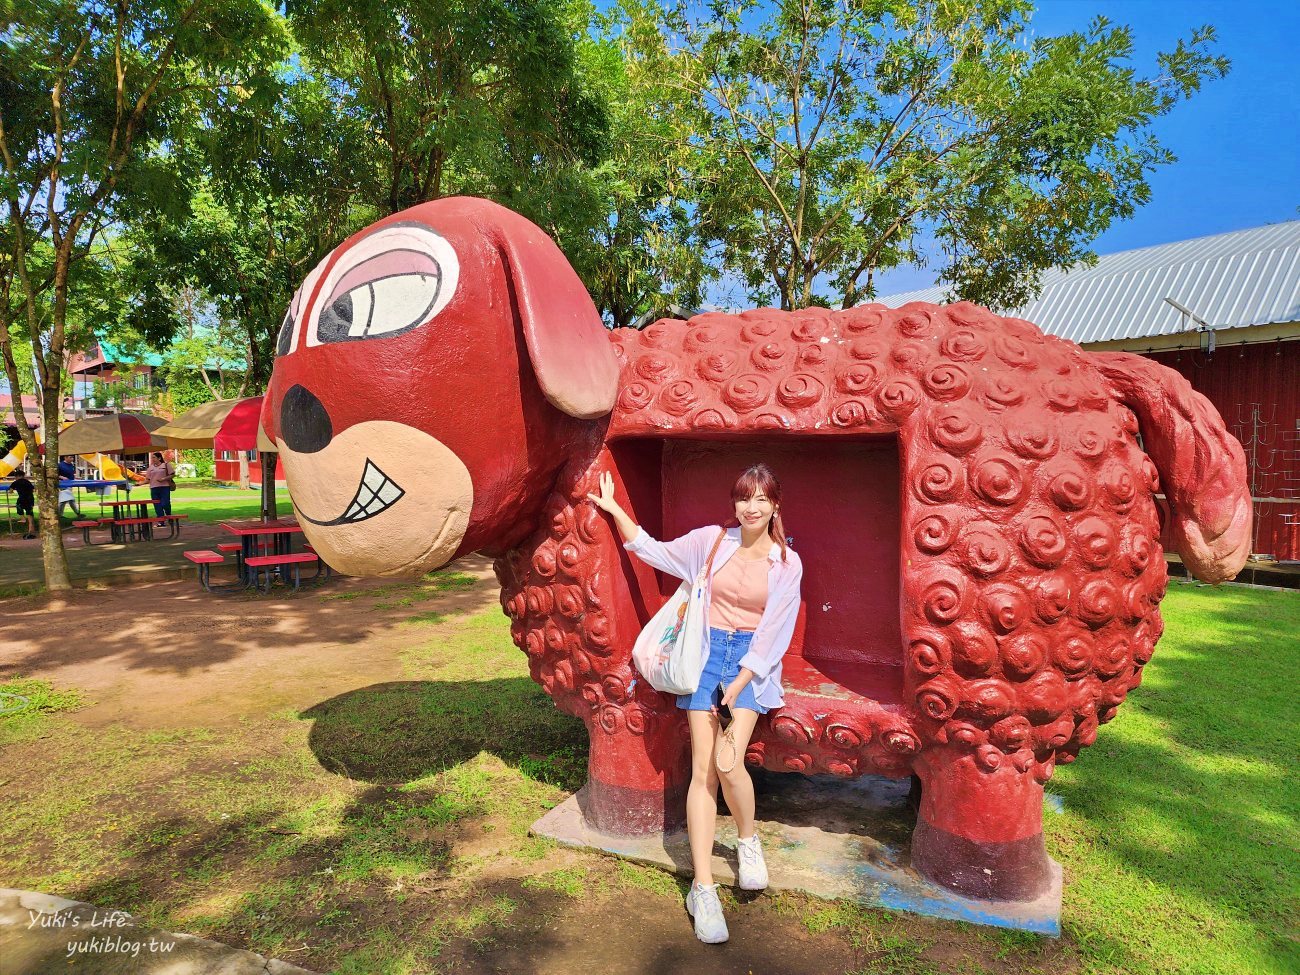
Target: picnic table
x,y
141,506
276,536
264,547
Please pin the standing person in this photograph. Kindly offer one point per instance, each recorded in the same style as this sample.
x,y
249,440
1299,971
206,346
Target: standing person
x,y
67,472
25,492
160,475
752,602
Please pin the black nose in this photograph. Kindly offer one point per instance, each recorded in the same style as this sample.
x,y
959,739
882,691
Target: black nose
x,y
304,422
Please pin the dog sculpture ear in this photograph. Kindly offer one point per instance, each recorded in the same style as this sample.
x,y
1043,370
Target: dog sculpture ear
x,y
568,344
266,426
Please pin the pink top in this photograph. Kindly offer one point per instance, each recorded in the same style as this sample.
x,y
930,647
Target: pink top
x,y
158,474
739,593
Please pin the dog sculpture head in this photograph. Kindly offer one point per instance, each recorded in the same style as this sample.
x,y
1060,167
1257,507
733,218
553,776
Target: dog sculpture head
x,y
430,373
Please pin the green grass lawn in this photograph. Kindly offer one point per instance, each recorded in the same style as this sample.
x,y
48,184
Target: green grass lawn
x,y
207,509
209,506
1180,836
335,827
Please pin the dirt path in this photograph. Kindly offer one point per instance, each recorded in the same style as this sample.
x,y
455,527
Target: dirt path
x,y
169,655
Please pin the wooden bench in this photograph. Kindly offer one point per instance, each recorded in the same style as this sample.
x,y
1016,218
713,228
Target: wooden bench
x,y
261,543
174,522
272,563
205,559
325,568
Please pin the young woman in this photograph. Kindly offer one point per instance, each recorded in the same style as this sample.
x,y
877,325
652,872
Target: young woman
x,y
159,474
752,603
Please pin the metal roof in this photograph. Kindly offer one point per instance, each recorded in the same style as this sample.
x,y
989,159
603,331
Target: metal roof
x,y
1233,280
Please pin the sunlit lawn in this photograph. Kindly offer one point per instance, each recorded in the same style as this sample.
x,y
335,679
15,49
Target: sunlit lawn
x,y
1181,831
339,827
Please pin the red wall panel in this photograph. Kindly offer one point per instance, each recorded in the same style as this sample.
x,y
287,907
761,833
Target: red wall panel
x,y
1256,389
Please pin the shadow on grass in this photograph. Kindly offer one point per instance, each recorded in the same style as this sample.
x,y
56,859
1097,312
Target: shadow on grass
x,y
402,731
332,892
316,861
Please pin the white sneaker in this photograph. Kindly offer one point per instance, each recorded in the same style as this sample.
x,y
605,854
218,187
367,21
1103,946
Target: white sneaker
x,y
702,903
753,869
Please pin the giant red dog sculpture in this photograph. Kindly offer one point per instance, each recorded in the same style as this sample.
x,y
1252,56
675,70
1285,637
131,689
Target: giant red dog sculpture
x,y
974,512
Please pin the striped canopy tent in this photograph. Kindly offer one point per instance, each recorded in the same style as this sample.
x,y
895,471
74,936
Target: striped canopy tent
x,y
116,433
228,424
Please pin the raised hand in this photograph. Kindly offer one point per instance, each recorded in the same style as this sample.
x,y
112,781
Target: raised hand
x,y
605,502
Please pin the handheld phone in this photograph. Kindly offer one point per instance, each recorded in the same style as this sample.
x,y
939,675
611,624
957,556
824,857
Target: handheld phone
x,y
724,712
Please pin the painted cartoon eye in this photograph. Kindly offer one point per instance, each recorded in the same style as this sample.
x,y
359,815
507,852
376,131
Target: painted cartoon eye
x,y
284,342
384,306
285,338
382,284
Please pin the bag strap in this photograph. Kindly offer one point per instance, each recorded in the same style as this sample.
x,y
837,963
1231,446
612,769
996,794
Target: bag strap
x,y
714,551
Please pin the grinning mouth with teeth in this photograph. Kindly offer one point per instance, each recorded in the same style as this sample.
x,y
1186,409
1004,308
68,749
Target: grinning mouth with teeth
x,y
376,493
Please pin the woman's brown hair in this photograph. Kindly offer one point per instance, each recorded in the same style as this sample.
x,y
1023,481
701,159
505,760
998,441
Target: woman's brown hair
x,y
760,479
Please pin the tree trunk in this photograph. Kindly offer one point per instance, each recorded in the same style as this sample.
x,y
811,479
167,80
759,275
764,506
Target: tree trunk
x,y
55,559
268,461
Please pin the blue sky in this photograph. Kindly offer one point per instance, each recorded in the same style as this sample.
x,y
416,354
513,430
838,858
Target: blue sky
x,y
1237,140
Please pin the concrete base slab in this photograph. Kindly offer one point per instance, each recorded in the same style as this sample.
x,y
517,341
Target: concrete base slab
x,y
41,933
826,836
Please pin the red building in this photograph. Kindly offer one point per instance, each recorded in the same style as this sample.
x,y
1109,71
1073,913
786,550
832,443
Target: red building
x,y
1224,311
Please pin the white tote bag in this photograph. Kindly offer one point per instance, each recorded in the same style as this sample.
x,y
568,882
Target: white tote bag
x,y
669,652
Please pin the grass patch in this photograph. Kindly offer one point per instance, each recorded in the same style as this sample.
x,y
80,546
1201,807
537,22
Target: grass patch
x,y
18,591
25,703
571,881
651,879
1179,833
404,594
209,511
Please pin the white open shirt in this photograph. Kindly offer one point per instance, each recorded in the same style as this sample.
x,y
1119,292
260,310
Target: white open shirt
x,y
684,558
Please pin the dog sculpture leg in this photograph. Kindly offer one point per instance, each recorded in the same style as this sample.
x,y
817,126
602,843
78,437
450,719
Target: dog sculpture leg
x,y
979,831
639,767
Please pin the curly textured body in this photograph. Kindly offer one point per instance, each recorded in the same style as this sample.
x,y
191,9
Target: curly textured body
x,y
978,527
1030,563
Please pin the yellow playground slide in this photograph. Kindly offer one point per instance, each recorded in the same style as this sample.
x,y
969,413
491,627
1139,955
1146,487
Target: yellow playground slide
x,y
109,469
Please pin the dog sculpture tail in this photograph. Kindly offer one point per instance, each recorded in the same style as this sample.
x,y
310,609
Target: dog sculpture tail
x,y
1202,467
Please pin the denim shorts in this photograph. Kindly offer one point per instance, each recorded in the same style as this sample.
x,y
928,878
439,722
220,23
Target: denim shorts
x,y
726,647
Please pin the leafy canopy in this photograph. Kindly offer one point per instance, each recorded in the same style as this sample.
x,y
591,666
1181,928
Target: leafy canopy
x,y
831,139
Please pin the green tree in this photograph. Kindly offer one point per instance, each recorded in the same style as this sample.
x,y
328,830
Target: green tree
x,y
636,245
830,138
284,181
463,96
508,100
205,361
96,102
